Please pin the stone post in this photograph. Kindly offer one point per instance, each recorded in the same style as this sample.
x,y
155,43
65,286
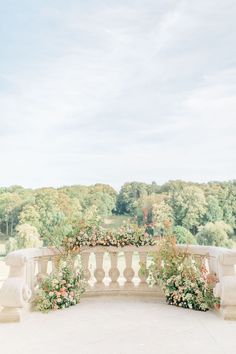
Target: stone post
x,y
99,272
114,271
128,272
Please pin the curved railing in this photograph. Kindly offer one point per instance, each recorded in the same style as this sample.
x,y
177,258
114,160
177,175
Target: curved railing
x,y
109,270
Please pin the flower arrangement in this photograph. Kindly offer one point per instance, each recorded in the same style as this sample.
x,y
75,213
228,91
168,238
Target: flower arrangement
x,y
61,289
95,235
183,277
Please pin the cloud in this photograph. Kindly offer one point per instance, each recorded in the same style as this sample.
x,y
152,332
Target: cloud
x,y
117,91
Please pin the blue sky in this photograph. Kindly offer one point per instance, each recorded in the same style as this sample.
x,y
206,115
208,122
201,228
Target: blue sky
x,y
113,91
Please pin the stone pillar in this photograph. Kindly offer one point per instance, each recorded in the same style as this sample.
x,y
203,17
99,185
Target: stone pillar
x,y
42,267
128,272
114,271
143,272
85,264
99,272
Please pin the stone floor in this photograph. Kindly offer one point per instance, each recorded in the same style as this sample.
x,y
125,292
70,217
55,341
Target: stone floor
x,y
120,325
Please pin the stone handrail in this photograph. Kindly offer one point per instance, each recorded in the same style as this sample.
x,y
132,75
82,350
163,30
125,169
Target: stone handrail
x,y
27,265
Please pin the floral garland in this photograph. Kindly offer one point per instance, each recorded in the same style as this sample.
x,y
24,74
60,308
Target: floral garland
x,y
95,235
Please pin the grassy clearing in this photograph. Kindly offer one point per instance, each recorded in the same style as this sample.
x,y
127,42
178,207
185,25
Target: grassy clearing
x,y
115,221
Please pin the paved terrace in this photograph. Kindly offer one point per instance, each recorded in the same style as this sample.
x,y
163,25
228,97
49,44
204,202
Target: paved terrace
x,y
120,325
108,321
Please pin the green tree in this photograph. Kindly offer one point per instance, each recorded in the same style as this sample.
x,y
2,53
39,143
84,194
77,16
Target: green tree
x,y
184,236
51,213
189,206
215,234
227,200
9,209
104,202
130,193
225,193
27,236
161,213
214,212
30,214
144,210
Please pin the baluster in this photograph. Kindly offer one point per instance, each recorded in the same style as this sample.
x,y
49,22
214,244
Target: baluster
x,y
128,272
211,264
99,273
42,268
54,263
85,265
114,271
30,275
143,273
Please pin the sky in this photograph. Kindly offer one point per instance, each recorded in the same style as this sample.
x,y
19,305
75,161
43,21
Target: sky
x,y
116,91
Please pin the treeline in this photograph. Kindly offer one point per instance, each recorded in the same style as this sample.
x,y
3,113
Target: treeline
x,y
53,212
203,213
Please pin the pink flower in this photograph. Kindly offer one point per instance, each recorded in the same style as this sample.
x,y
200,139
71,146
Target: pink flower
x,y
63,291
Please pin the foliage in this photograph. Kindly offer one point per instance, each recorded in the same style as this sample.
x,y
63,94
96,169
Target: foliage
x,y
60,289
56,212
161,212
102,196
27,236
215,234
9,207
104,202
127,200
184,236
189,206
214,212
182,276
144,211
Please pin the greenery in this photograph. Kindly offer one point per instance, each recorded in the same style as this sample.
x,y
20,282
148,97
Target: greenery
x,y
184,236
183,277
27,236
215,234
185,204
57,213
61,289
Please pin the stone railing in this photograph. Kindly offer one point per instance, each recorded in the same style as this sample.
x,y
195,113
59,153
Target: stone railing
x,y
117,271
109,270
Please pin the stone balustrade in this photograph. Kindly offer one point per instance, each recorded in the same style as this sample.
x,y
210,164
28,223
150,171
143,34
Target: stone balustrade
x,y
109,271
114,271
